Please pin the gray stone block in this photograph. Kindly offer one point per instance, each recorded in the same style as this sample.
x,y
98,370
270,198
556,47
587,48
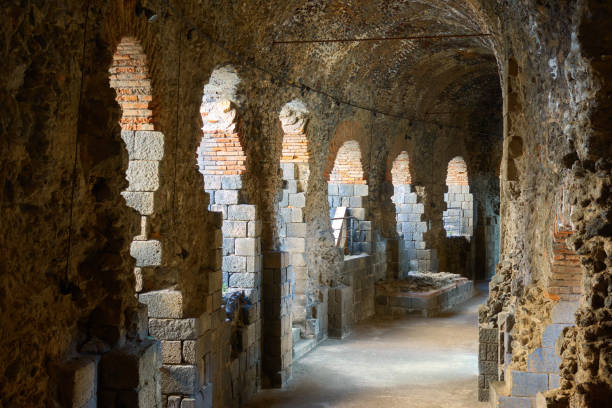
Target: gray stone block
x,y
564,312
212,182
297,215
163,303
361,190
254,229
291,186
189,351
554,381
148,145
295,245
242,212
178,379
297,200
543,360
244,280
228,246
146,253
141,201
226,197
358,213
288,171
346,190
246,246
296,230
234,263
332,189
528,384
514,402
231,182
356,201
345,201
173,329
234,229
142,175
551,334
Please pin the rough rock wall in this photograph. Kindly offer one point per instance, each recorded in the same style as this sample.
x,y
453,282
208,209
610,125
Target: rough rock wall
x,y
554,72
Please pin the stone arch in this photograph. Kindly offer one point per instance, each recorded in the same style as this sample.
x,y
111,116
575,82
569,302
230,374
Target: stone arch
x,y
459,214
353,131
347,165
347,194
400,170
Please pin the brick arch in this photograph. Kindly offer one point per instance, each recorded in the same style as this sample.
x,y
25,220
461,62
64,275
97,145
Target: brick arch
x,y
400,170
457,172
349,130
129,76
347,165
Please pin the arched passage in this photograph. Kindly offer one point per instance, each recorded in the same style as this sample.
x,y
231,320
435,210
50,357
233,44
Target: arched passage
x,y
347,193
459,214
413,255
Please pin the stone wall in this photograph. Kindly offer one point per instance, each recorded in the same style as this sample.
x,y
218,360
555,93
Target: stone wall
x,y
355,198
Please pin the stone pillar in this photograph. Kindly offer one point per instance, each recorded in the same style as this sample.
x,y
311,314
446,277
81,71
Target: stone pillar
x,y
293,236
276,325
340,311
355,198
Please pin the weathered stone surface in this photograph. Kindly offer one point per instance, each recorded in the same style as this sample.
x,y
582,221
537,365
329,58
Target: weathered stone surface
x,y
143,175
178,379
173,329
146,253
163,303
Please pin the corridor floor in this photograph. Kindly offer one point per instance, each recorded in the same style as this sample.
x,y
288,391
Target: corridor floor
x,y
413,362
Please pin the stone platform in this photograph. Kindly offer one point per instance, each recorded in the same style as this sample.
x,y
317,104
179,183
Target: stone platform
x,y
425,294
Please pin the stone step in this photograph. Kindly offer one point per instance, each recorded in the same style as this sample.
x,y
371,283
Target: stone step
x,y
303,347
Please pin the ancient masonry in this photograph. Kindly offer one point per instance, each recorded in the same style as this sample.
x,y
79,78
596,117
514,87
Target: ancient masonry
x,y
459,215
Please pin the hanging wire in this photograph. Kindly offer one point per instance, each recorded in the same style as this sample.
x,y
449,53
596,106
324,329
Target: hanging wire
x,y
64,285
275,78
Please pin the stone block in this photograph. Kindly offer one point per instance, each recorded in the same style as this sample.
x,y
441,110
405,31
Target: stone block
x,y
148,145
189,351
241,212
254,229
178,379
171,351
142,175
228,246
360,190
563,312
297,200
212,182
487,334
78,382
288,171
410,198
295,245
231,182
345,201
226,197
165,304
528,384
244,280
173,329
346,190
190,403
297,215
141,201
543,360
296,230
234,263
146,253
247,246
551,334
356,201
332,189
234,229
